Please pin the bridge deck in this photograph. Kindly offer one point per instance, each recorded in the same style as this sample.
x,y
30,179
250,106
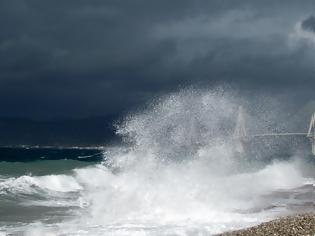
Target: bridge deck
x,y
277,134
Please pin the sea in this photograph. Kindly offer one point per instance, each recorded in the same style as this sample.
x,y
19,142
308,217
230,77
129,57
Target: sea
x,y
176,172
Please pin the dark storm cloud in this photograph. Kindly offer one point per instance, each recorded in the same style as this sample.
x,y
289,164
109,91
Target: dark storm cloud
x,y
309,24
81,58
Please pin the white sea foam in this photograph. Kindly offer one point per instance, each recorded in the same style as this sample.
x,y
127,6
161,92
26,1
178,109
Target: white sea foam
x,y
30,184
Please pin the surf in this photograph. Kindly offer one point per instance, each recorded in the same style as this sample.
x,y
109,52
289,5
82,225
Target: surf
x,y
175,173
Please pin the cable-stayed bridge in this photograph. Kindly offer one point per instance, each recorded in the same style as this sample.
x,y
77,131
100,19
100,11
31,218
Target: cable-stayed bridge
x,y
240,132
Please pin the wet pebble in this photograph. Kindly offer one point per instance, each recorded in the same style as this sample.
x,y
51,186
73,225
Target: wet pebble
x,y
298,225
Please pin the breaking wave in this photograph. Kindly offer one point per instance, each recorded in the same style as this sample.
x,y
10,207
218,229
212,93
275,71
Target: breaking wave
x,y
176,173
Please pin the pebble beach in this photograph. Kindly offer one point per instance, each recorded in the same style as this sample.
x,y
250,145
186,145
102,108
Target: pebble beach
x,y
297,225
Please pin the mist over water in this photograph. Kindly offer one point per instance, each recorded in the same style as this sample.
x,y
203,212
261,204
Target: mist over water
x,y
177,173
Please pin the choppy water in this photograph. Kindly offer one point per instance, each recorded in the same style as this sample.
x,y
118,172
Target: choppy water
x,y
177,174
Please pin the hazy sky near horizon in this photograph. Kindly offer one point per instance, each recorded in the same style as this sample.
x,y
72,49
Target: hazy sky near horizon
x,y
79,58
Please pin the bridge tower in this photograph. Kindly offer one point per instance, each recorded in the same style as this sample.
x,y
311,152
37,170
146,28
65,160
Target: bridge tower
x,y
240,130
311,132
239,133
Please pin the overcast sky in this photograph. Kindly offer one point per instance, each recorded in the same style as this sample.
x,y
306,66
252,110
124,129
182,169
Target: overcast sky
x,y
79,58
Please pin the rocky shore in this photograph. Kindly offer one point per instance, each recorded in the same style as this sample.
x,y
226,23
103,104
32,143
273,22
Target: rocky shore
x,y
298,225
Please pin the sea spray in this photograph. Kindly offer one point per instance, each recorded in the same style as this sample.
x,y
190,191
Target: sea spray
x,y
177,173
181,168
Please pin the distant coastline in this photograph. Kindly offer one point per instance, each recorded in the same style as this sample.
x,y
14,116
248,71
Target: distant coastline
x,y
54,147
28,153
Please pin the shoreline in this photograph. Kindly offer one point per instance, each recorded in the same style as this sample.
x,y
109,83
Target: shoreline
x,y
293,225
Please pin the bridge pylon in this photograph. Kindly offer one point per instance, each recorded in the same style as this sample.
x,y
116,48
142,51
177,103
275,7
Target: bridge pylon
x,y
240,130
239,133
311,132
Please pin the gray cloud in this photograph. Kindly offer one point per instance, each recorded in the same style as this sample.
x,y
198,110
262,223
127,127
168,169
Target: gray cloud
x,y
82,58
309,24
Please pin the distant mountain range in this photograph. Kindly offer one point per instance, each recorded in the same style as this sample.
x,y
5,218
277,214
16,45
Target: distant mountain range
x,y
92,131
